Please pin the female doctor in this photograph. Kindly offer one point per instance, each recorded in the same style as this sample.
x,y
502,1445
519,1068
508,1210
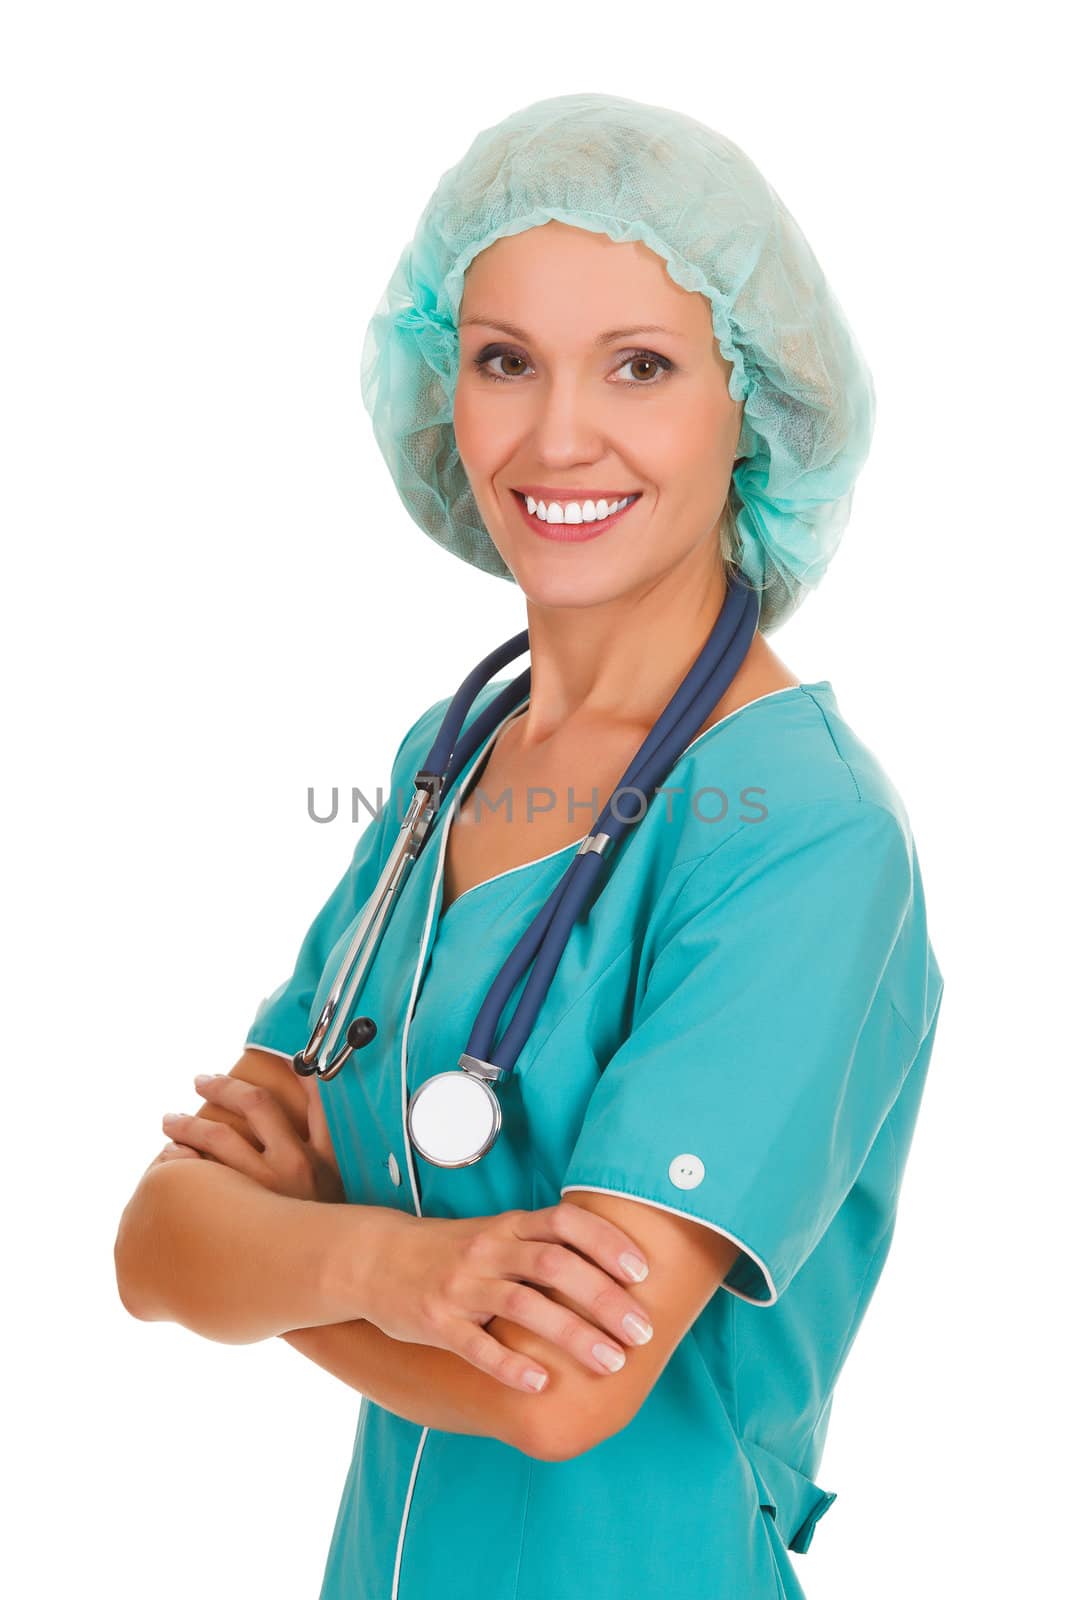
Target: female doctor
x,y
599,1360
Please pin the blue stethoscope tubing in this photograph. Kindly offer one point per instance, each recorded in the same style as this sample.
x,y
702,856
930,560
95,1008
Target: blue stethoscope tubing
x,y
466,1132
545,939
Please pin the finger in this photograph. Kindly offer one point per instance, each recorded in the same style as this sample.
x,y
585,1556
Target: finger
x,y
521,1304
481,1350
586,1341
318,1129
178,1152
597,1294
263,1112
220,1142
595,1236
174,1152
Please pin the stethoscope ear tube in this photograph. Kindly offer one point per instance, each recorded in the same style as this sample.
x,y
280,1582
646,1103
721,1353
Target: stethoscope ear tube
x,y
454,1117
546,938
450,751
446,760
362,945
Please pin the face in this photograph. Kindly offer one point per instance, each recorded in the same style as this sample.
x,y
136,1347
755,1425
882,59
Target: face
x,y
587,375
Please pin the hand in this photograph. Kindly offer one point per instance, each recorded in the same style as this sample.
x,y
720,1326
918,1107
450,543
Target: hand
x,y
283,1161
439,1281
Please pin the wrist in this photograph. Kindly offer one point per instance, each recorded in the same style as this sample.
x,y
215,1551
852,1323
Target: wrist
x,y
358,1243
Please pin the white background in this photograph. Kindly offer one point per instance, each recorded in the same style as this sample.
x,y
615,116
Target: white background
x,y
213,598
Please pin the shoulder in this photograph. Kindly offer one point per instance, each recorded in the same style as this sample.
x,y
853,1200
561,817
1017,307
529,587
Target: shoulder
x,y
781,770
811,837
828,872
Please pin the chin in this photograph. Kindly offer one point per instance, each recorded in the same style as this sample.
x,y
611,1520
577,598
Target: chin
x,y
548,583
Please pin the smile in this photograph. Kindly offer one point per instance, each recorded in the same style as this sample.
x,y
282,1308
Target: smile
x,y
571,521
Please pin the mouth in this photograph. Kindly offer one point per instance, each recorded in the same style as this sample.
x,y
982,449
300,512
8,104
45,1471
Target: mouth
x,y
568,530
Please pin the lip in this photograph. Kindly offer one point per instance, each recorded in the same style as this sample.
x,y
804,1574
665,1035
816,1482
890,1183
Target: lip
x,y
570,532
549,491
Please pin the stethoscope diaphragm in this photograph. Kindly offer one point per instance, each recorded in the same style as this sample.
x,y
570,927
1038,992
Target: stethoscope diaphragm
x,y
454,1117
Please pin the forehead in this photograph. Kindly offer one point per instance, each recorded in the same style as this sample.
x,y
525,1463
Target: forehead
x,y
575,282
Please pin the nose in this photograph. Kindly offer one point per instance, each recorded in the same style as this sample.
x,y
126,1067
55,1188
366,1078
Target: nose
x,y
566,426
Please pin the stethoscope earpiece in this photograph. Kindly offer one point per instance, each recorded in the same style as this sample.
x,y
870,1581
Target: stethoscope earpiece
x,y
361,1031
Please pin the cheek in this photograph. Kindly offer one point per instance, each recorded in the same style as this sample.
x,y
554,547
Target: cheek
x,y
689,449
669,448
484,431
462,426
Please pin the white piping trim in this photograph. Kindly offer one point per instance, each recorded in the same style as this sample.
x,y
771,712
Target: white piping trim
x,y
431,901
787,689
456,800
404,1517
250,1044
714,1226
466,783
574,843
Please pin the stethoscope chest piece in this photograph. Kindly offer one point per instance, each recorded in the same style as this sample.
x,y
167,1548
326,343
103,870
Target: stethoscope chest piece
x,y
454,1117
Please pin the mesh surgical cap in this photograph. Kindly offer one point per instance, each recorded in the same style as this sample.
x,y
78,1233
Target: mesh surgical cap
x,y
637,172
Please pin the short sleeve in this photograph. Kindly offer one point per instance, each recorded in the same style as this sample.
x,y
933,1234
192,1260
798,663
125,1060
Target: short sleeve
x,y
282,1021
769,1041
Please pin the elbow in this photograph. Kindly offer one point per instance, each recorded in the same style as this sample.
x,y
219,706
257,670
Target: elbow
x,y
128,1295
130,1289
128,1300
561,1433
136,1252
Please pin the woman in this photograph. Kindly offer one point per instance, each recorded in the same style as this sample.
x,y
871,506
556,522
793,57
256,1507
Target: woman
x,y
609,369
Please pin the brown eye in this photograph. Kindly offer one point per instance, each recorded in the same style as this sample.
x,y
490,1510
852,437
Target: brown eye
x,y
487,356
649,369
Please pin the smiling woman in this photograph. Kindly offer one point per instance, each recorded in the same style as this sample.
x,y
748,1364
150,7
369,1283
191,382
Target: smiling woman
x,y
608,369
664,441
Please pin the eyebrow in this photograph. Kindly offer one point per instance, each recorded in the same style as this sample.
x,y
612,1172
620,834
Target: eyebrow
x,y
604,338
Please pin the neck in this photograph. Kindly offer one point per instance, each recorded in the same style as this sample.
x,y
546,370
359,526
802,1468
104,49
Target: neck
x,y
616,665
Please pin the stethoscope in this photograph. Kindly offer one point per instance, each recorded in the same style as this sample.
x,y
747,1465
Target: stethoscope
x,y
454,1117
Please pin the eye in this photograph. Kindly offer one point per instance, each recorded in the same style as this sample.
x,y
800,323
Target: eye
x,y
654,369
496,353
645,359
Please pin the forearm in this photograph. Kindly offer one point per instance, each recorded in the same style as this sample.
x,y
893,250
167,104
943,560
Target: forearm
x,y
204,1246
421,1383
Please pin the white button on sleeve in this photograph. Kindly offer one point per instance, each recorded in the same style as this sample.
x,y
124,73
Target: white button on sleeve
x,y
685,1172
394,1170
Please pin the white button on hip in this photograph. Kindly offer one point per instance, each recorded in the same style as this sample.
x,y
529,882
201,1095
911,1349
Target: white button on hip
x,y
685,1172
394,1170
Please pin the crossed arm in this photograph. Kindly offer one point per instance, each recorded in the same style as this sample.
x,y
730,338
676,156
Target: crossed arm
x,y
578,1408
436,1388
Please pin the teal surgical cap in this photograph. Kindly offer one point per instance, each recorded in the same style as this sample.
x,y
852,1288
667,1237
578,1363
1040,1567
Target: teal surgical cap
x,y
637,172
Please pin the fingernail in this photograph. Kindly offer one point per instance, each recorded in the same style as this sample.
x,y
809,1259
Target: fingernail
x,y
536,1380
633,1266
172,1116
203,1077
636,1328
609,1357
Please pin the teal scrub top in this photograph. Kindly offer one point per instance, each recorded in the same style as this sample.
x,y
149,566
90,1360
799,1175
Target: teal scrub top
x,y
739,1032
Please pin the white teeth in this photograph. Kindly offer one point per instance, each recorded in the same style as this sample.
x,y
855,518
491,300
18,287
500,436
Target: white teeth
x,y
576,510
